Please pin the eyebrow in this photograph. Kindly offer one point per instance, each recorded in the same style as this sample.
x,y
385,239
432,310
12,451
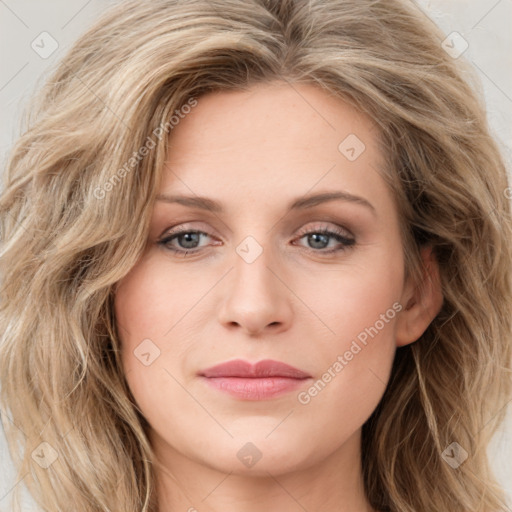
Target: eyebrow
x,y
301,203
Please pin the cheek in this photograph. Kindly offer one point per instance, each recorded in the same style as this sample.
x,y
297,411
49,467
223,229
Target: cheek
x,y
149,302
147,306
359,306
143,313
358,297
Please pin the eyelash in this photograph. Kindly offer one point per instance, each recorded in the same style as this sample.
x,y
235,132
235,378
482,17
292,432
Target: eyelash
x,y
339,236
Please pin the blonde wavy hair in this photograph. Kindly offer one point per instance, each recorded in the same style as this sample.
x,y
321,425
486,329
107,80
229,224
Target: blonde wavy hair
x,y
68,237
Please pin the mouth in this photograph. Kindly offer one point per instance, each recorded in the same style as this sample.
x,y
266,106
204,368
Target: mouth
x,y
263,380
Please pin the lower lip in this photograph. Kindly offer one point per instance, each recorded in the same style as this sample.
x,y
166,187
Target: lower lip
x,y
255,388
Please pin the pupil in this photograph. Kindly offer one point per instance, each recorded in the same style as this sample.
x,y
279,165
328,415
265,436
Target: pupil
x,y
192,238
320,238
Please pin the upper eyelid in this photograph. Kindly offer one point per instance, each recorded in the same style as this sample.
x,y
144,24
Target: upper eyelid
x,y
327,227
185,227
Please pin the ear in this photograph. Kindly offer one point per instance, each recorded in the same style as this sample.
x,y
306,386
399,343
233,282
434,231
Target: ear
x,y
422,301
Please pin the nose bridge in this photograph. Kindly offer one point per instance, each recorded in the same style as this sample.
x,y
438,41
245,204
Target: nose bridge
x,y
251,271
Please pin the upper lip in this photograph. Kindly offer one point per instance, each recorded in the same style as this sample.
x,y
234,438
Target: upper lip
x,y
265,368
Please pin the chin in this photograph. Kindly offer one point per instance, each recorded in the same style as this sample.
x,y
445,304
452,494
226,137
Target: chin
x,y
258,455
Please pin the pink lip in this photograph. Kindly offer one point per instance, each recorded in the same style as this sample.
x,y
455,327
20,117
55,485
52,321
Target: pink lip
x,y
265,379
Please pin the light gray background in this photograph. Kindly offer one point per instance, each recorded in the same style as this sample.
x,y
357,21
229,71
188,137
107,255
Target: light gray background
x,y
485,25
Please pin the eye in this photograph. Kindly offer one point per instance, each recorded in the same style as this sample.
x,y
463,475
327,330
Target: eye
x,y
320,238
187,241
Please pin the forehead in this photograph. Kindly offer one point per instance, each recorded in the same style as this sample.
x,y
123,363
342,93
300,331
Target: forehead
x,y
277,114
273,137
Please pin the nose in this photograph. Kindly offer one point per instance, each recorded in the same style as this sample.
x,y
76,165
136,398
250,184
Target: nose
x,y
255,297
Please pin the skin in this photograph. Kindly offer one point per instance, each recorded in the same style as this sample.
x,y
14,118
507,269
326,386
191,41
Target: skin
x,y
255,152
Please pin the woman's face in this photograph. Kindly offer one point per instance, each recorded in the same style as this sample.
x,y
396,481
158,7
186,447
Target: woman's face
x,y
262,281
